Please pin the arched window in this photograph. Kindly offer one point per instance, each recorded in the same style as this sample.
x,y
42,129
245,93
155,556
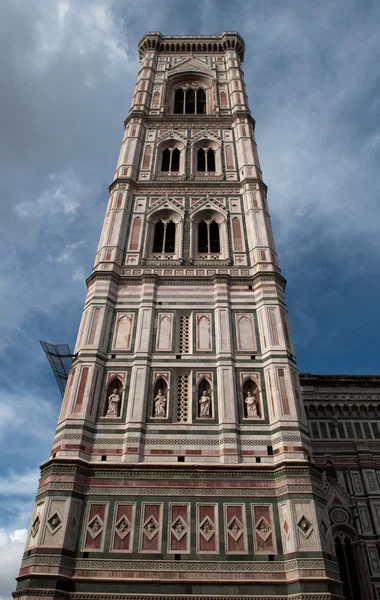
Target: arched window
x,y
210,160
165,166
201,102
164,237
202,237
208,237
175,160
214,237
201,160
178,102
170,160
347,567
170,237
206,160
158,241
190,101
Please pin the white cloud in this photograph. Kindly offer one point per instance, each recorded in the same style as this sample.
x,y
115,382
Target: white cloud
x,y
19,484
67,254
12,545
62,194
35,416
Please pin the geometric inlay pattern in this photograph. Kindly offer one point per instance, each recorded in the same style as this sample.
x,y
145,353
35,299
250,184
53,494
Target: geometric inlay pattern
x,y
264,529
151,528
95,527
179,528
207,528
54,523
36,526
235,528
304,526
123,527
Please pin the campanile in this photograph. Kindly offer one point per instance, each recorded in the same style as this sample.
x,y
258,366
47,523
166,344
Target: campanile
x,y
181,466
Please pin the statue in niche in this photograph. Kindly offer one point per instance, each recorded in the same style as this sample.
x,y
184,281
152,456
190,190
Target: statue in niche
x,y
252,406
205,405
114,401
160,404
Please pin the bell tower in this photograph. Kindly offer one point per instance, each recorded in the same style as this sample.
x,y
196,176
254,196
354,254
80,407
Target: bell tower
x,y
181,466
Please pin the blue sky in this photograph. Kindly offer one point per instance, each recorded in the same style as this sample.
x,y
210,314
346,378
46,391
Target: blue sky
x,y
68,71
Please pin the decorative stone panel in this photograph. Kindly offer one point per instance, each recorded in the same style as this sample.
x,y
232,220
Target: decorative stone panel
x,y
179,528
123,527
264,535
207,530
235,529
151,527
95,526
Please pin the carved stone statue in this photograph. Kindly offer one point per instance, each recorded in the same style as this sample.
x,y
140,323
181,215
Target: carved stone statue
x,y
114,401
160,404
205,405
252,405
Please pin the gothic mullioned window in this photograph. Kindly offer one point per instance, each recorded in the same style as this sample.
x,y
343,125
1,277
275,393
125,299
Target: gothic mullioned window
x,y
164,237
208,237
190,101
206,160
170,160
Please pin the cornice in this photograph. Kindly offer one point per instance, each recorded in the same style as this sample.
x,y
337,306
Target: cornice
x,y
196,121
186,186
194,44
287,469
188,280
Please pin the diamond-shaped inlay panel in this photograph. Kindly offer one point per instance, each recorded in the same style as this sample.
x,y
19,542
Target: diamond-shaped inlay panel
x,y
151,528
304,526
179,528
235,528
36,526
95,527
286,527
264,529
207,528
54,522
123,527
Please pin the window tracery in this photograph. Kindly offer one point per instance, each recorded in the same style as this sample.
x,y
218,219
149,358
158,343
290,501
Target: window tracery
x,y
206,159
170,160
164,236
190,100
209,235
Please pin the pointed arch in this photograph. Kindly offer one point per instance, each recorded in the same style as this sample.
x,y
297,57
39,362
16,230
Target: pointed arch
x,y
165,164
251,398
205,404
112,406
156,98
123,331
160,398
178,102
223,99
